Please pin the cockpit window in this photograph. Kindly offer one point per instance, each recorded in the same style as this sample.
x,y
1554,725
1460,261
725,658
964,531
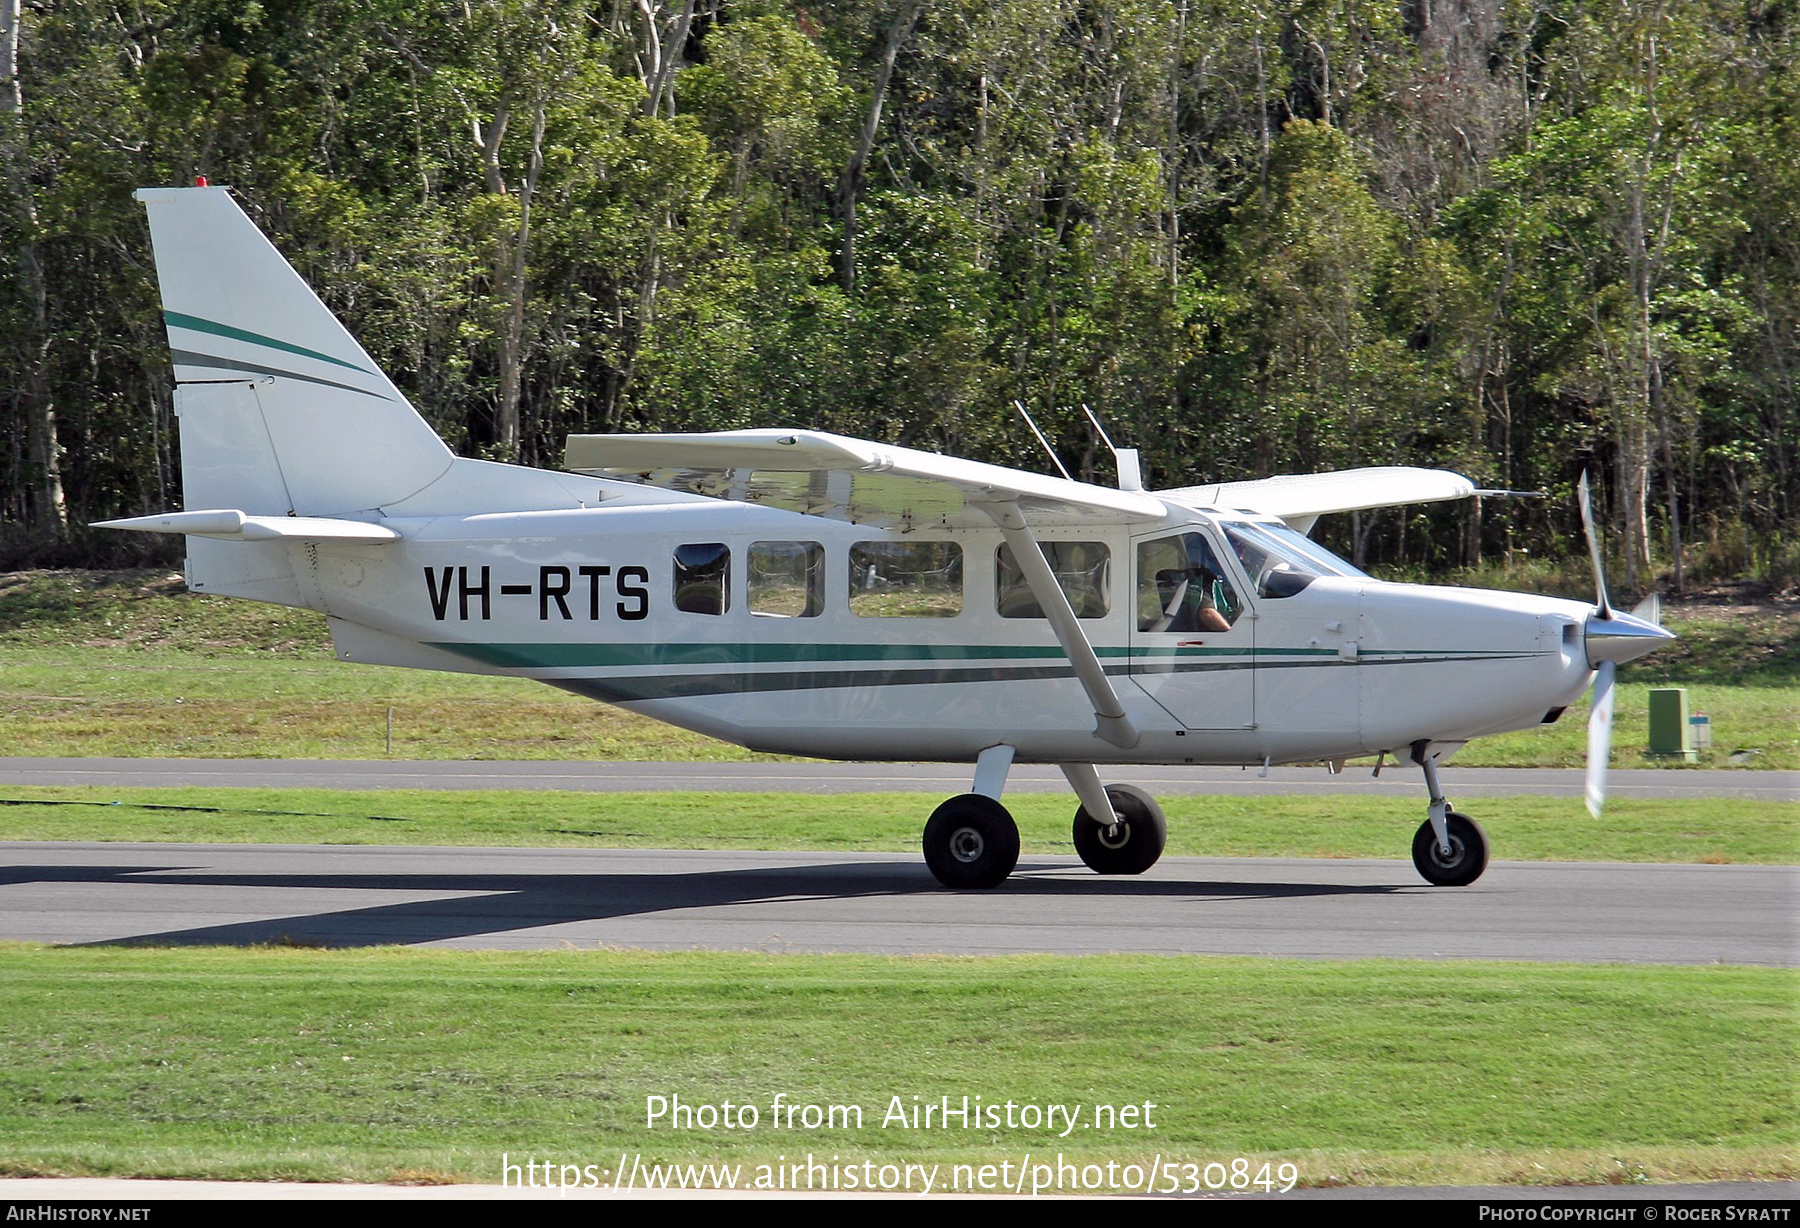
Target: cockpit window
x,y
1181,587
1281,561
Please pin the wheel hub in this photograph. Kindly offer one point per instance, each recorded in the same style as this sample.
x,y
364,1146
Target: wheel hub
x,y
1117,836
966,844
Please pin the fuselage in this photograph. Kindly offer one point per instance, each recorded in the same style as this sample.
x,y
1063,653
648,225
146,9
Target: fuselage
x,y
790,633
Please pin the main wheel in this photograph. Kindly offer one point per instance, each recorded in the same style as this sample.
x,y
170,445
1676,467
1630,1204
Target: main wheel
x,y
1468,852
1136,843
971,841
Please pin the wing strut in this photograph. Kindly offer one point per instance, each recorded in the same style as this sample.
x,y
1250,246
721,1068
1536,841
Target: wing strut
x,y
1109,713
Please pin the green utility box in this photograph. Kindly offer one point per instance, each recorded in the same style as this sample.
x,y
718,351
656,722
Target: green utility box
x,y
1671,736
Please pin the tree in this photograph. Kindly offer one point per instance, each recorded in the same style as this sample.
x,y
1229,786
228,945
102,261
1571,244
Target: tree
x,y
32,398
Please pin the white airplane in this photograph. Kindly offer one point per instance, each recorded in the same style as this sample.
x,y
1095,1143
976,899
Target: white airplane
x,y
803,593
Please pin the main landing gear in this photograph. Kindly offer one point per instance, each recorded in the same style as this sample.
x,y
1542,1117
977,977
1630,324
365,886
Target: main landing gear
x,y
1449,849
971,841
1132,842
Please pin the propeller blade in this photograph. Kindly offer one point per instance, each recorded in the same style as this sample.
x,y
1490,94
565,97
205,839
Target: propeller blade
x,y
1600,723
1593,541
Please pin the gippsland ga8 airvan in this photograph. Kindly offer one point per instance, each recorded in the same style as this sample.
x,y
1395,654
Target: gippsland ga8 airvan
x,y
804,593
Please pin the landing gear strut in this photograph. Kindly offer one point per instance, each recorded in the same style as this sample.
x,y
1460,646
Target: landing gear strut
x,y
1449,849
971,841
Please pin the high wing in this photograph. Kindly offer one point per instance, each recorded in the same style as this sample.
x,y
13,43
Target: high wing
x,y
822,474
834,476
1301,499
900,489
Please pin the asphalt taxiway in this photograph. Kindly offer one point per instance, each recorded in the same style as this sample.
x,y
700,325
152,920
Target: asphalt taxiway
x,y
521,898
497,898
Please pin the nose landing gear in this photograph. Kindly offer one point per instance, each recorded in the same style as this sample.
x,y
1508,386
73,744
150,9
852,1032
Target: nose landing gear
x,y
1449,849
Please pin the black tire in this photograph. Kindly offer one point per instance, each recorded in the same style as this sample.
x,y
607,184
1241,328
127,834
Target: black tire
x,y
971,842
1142,834
1468,852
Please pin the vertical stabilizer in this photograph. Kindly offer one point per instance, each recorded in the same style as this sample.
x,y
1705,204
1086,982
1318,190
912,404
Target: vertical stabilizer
x,y
339,437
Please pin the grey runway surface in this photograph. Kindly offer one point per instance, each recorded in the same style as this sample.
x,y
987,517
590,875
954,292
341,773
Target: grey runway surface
x,y
800,777
531,898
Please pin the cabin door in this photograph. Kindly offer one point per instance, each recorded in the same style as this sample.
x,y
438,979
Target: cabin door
x,y
1193,646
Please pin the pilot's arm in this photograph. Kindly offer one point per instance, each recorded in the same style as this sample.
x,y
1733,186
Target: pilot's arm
x,y
1206,613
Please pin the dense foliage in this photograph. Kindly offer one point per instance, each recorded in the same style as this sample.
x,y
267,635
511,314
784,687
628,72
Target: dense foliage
x,y
1512,237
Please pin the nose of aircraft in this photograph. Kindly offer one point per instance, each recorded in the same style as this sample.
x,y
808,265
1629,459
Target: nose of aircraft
x,y
1620,637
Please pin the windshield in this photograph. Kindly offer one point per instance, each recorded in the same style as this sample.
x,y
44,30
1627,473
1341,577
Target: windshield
x,y
1281,561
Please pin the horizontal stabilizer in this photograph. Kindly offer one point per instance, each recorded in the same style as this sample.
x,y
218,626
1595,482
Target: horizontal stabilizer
x,y
232,525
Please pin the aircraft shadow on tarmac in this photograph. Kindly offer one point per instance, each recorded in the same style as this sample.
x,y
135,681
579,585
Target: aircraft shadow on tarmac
x,y
509,902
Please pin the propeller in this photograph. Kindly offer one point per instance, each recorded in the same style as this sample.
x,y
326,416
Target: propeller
x,y
1611,638
1602,606
1600,721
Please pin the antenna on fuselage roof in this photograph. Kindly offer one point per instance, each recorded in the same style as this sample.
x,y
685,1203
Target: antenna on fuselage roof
x,y
1050,451
1131,473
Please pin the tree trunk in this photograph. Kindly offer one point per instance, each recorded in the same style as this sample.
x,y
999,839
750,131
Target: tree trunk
x,y
43,451
513,280
659,77
850,187
1670,477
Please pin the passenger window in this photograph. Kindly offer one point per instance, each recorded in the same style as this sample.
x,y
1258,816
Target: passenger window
x,y
703,578
906,579
1181,587
787,579
1083,571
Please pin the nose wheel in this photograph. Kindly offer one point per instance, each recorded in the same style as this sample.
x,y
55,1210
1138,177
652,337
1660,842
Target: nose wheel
x,y
1466,858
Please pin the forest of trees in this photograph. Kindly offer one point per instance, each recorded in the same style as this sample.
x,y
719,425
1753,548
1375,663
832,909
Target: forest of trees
x,y
1514,238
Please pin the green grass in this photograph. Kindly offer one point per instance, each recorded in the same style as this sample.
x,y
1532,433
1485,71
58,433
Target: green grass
x,y
162,701
402,1064
1760,724
1715,830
